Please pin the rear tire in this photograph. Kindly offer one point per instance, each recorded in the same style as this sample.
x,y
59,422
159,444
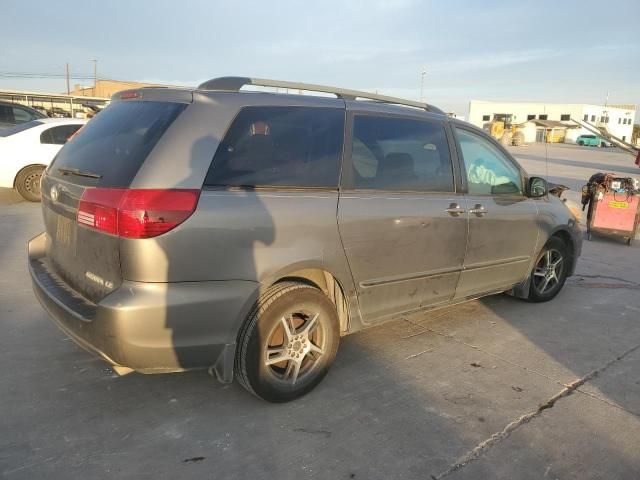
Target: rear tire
x,y
549,272
288,342
28,183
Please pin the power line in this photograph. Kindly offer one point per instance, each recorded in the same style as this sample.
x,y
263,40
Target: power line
x,y
42,75
58,76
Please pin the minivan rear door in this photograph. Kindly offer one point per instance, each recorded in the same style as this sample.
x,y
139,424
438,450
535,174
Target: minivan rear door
x,y
401,221
106,154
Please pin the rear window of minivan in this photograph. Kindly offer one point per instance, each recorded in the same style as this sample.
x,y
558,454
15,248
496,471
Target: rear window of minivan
x,y
280,146
115,143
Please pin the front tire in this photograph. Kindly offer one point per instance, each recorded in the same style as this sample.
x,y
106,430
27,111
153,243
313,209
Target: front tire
x,y
549,272
288,342
28,183
518,139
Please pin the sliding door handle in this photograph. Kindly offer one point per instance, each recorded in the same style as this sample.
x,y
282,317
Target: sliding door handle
x,y
455,210
478,210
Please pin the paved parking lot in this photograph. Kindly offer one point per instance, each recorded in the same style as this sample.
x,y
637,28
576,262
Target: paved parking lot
x,y
495,388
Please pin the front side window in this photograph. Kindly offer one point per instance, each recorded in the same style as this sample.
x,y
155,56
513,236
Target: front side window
x,y
22,116
58,135
398,154
280,146
489,171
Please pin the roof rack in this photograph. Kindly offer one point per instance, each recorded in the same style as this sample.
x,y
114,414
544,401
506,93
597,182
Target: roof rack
x,y
234,84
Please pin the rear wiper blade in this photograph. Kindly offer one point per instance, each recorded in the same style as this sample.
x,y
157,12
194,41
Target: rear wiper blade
x,y
80,173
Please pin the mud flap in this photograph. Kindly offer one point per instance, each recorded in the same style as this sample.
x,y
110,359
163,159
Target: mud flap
x,y
223,368
521,290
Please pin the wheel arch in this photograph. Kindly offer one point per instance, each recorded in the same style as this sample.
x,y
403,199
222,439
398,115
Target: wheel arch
x,y
325,281
568,240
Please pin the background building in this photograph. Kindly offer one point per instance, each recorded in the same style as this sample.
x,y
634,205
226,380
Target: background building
x,y
106,88
559,117
82,102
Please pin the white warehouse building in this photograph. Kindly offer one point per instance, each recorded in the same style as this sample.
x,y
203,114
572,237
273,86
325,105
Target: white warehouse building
x,y
617,119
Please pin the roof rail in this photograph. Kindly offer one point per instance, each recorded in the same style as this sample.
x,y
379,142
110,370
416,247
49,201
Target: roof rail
x,y
234,84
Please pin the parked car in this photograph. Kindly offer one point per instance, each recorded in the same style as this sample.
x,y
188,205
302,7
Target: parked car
x,y
14,114
593,141
248,231
27,149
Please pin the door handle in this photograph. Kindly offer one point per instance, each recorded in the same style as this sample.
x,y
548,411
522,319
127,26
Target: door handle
x,y
454,210
478,210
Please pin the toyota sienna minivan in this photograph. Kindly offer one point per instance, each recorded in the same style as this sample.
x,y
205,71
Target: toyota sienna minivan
x,y
247,231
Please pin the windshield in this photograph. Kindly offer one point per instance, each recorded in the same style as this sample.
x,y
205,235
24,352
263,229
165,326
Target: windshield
x,y
6,132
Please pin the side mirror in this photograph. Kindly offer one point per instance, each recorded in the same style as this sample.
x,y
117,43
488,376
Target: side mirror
x,y
538,187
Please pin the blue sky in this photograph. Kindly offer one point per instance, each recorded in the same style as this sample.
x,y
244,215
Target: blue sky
x,y
569,51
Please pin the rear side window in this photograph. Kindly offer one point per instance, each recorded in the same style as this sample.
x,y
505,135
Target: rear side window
x,y
398,154
115,143
58,135
6,114
280,146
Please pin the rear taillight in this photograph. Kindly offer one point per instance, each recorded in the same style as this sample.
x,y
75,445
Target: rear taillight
x,y
135,213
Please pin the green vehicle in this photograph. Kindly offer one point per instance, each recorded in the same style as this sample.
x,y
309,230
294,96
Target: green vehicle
x,y
592,141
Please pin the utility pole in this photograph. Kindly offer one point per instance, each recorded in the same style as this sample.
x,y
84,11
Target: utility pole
x,y
422,75
68,84
95,76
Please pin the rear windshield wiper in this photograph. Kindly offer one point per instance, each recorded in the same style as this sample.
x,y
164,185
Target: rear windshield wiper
x,y
80,173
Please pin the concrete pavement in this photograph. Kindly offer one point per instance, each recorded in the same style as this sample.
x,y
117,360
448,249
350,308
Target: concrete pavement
x,y
495,388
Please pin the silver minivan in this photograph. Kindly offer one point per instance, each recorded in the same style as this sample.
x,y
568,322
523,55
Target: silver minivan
x,y
247,231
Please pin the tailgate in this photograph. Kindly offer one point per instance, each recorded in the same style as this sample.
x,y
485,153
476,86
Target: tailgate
x,y
88,260
105,154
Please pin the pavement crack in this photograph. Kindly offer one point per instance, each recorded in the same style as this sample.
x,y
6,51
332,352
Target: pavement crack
x,y
606,277
497,437
477,348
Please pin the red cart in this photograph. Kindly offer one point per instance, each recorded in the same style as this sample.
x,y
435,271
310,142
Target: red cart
x,y
615,213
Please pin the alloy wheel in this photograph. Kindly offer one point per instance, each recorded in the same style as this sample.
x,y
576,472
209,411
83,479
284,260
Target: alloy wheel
x,y
548,271
295,346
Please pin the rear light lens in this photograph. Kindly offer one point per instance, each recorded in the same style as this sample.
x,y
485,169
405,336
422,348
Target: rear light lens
x,y
135,213
129,95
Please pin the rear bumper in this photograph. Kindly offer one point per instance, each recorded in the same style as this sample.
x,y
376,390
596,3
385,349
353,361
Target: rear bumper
x,y
149,327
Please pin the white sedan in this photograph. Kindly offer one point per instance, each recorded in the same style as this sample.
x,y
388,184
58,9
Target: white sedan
x,y
28,148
